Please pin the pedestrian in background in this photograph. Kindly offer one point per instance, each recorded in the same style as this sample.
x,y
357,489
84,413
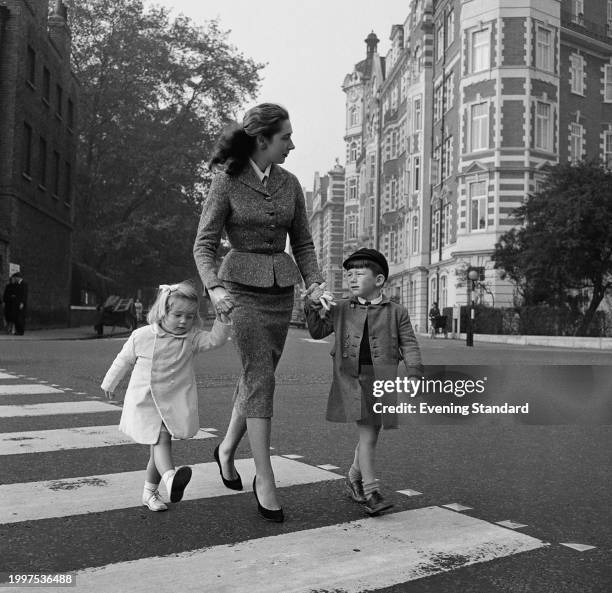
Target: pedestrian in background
x,y
372,334
138,308
161,400
257,203
9,299
15,304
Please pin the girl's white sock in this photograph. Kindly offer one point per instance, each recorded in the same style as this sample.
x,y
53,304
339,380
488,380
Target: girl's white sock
x,y
167,477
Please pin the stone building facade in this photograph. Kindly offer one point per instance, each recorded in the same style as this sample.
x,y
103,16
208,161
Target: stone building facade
x,y
38,119
477,98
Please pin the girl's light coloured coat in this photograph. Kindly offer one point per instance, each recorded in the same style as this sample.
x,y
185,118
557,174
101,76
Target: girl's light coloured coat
x,y
162,386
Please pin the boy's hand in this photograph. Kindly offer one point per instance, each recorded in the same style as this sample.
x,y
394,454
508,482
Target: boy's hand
x,y
109,395
322,298
224,318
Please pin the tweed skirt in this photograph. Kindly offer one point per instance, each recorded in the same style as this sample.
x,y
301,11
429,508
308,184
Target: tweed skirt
x,y
261,319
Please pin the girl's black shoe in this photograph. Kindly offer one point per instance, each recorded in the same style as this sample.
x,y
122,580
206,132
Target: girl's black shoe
x,y
271,515
232,484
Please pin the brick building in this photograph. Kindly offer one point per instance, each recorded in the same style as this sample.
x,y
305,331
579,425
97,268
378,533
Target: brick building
x,y
38,100
327,225
478,97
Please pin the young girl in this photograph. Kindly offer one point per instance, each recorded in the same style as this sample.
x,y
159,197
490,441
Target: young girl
x,y
161,400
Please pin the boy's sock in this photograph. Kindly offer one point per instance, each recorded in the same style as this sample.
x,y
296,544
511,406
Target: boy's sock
x,y
371,487
149,488
354,474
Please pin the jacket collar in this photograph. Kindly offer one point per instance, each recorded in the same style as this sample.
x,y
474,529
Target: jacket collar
x,y
160,332
384,301
278,178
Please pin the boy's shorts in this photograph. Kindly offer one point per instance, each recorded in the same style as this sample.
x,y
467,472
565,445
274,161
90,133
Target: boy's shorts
x,y
368,416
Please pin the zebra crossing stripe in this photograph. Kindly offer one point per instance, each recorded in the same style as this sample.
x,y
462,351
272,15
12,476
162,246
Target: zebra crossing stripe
x,y
56,408
7,376
27,389
82,437
89,494
350,557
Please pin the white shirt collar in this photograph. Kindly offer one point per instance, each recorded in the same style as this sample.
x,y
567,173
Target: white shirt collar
x,y
258,171
375,301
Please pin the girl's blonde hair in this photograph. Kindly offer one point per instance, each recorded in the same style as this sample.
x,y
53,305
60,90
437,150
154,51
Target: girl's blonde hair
x,y
161,306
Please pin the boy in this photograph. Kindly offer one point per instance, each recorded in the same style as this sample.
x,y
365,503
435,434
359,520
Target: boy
x,y
372,335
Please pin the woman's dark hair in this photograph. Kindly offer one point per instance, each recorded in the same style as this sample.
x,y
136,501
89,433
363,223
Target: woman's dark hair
x,y
237,142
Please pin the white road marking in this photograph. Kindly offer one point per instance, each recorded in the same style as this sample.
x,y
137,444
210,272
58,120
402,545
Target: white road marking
x,y
56,408
315,341
455,506
92,494
409,492
27,389
510,524
4,375
210,429
579,547
328,467
293,456
349,557
82,437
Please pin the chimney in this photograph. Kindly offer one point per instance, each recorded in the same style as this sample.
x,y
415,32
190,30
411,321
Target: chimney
x,y
58,29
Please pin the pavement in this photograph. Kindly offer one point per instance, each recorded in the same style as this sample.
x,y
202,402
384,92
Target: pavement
x,y
85,332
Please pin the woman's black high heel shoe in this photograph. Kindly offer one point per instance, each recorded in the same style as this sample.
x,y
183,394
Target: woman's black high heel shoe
x,y
271,515
232,484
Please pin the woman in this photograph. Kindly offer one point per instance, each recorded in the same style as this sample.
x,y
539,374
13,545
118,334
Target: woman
x,y
257,203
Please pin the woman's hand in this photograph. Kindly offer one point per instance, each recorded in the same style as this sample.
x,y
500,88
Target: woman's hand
x,y
221,300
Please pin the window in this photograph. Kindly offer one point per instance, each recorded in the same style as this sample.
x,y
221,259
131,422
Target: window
x,y
450,27
354,116
42,161
577,74
372,210
447,160
70,113
27,149
46,85
578,11
608,149
417,114
392,246
479,130
352,227
394,144
478,205
435,235
544,55
433,290
56,173
353,152
447,225
372,166
448,91
576,143
438,108
59,95
439,41
543,126
480,57
415,234
436,166
352,189
609,29
68,183
443,293
31,66
416,173
608,83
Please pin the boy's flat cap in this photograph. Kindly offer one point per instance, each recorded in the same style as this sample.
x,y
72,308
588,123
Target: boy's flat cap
x,y
369,254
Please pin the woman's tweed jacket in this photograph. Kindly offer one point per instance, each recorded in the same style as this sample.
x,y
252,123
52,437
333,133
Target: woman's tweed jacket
x,y
391,340
257,219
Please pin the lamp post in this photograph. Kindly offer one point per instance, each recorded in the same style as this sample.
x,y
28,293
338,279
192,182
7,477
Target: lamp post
x,y
471,286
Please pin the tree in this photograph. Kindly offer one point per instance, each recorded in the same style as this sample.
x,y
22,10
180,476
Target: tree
x,y
154,94
562,255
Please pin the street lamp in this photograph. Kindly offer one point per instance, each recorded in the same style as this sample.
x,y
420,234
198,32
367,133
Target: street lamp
x,y
471,286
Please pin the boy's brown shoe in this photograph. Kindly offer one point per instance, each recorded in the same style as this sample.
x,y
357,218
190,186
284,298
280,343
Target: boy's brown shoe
x,y
376,504
355,490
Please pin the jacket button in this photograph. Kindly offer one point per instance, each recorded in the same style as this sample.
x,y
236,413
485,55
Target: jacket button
x,y
344,355
272,226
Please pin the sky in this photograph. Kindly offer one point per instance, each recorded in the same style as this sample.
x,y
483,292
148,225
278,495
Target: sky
x,y
309,46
